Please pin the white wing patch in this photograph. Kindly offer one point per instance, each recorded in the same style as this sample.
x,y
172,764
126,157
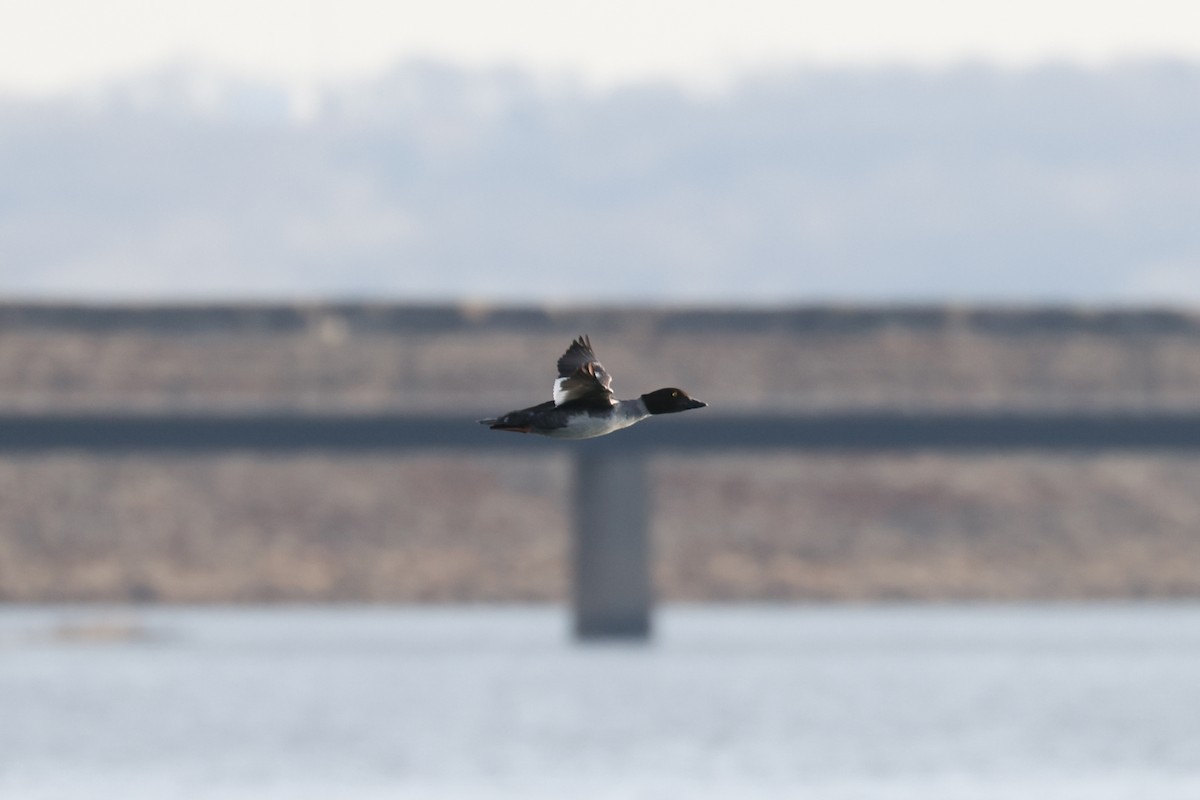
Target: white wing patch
x,y
560,395
582,385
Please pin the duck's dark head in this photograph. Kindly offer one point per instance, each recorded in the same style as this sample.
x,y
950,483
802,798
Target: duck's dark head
x,y
670,401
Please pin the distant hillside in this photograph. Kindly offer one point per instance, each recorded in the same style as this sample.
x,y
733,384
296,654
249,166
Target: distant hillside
x,y
970,183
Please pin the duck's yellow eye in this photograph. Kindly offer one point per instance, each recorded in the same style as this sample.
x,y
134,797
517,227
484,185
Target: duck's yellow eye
x,y
674,394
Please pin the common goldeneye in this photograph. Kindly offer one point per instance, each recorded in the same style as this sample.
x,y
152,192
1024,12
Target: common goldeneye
x,y
583,404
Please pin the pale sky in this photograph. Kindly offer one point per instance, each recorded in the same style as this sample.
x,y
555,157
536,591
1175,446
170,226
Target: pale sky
x,y
48,46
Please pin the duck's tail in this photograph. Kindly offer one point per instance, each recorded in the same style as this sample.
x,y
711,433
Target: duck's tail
x,y
505,424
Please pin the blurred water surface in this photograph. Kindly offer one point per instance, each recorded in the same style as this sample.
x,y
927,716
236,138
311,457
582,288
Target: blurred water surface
x,y
928,702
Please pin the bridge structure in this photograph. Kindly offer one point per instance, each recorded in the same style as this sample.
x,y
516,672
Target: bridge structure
x,y
612,594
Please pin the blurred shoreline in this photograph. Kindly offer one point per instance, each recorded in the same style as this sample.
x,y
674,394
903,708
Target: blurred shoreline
x,y
247,528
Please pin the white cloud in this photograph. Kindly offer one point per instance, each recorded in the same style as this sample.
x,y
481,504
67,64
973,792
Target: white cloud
x,y
50,45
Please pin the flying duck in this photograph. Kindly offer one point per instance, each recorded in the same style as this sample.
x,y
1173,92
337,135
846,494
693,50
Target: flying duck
x,y
584,405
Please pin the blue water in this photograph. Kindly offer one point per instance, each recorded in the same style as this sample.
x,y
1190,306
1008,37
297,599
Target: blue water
x,y
1094,702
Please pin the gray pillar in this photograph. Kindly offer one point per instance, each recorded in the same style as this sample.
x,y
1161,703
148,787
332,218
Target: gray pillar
x,y
611,548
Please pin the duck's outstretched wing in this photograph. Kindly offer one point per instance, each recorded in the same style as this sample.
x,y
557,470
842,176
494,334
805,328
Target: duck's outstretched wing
x,y
581,378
